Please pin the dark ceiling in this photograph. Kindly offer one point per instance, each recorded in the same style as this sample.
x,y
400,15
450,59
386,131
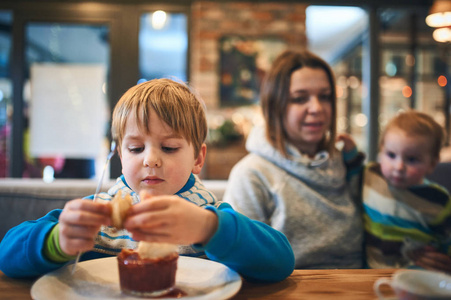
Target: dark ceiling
x,y
373,3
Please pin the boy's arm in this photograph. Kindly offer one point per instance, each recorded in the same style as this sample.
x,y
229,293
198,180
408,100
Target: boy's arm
x,y
253,249
52,248
21,250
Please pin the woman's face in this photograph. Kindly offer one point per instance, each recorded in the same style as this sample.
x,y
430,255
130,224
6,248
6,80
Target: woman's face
x,y
308,115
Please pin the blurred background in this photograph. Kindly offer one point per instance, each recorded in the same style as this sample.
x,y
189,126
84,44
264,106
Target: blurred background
x,y
64,64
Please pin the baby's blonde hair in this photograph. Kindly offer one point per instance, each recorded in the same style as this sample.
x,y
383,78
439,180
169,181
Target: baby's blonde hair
x,y
415,123
173,102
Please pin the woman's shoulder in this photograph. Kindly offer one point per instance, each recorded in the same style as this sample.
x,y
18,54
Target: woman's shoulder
x,y
253,163
254,170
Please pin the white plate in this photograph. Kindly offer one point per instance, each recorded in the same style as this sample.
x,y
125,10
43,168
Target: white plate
x,y
200,279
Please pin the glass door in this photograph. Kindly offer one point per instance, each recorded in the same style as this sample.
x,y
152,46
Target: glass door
x,y
163,45
65,103
71,62
62,91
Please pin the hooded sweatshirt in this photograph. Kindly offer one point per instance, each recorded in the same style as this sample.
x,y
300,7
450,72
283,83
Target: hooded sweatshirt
x,y
306,199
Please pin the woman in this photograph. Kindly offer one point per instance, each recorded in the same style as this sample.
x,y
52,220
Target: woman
x,y
294,178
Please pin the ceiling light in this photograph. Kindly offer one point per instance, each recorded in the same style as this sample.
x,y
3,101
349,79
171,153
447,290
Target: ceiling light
x,y
159,18
440,17
442,35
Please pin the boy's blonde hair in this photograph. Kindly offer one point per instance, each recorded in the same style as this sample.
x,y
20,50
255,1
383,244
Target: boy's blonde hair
x,y
173,102
415,123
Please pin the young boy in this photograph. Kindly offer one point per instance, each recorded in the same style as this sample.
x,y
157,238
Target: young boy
x,y
160,128
407,218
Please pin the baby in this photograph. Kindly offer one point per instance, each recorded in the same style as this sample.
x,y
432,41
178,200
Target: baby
x,y
407,217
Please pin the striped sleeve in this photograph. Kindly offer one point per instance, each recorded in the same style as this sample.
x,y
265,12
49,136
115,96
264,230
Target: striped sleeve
x,y
399,219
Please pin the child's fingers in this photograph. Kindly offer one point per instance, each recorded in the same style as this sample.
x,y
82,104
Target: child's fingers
x,y
79,223
180,223
144,195
74,231
157,212
85,212
74,246
435,260
139,235
88,205
153,225
146,220
343,137
84,218
431,265
346,140
156,203
340,136
74,239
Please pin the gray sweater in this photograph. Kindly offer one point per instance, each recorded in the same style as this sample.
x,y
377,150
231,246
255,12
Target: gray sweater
x,y
306,199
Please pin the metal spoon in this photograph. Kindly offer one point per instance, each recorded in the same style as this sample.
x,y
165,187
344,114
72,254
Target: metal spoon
x,y
99,186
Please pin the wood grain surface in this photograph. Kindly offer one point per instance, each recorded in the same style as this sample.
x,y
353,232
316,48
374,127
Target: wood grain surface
x,y
302,284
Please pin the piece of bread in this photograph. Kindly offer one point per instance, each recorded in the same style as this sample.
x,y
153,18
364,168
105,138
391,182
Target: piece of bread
x,y
153,250
120,205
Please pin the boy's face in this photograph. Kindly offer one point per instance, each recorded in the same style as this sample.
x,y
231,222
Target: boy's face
x,y
405,160
160,161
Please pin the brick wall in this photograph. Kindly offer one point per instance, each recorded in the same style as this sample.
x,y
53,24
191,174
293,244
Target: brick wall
x,y
212,20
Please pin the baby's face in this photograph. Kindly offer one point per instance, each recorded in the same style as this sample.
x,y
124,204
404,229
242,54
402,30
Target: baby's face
x,y
160,161
405,160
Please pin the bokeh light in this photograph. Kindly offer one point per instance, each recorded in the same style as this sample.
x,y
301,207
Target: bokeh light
x,y
361,120
407,91
339,90
442,81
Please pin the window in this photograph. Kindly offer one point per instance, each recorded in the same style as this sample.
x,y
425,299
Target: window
x,y
163,45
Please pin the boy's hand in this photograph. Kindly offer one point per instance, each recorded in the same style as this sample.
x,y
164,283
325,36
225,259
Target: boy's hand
x,y
171,219
348,141
79,223
429,258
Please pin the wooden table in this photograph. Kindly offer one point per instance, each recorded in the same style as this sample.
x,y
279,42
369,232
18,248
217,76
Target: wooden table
x,y
302,284
318,285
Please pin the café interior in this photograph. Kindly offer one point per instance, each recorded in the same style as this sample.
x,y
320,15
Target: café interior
x,y
64,64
